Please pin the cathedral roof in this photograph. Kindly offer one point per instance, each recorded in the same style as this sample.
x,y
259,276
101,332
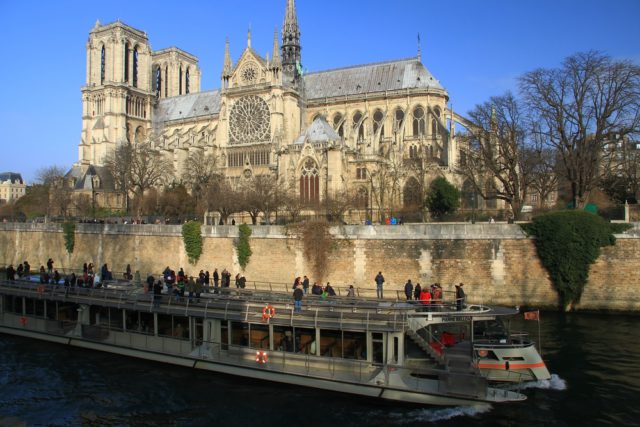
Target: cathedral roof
x,y
370,78
187,106
318,132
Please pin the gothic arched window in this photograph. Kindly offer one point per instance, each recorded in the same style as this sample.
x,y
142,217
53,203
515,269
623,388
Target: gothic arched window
x,y
126,62
338,124
358,125
135,67
103,58
362,198
180,82
398,119
158,75
412,193
309,182
377,122
418,122
186,81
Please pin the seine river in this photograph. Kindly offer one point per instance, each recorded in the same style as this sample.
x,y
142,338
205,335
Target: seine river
x,y
595,361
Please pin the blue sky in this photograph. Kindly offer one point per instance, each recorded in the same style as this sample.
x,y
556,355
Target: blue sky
x,y
476,49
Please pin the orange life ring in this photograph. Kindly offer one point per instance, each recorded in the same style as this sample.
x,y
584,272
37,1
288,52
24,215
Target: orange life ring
x,y
268,312
23,321
262,357
40,289
483,353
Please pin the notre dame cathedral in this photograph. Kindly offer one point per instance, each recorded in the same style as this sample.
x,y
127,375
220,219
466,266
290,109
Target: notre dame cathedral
x,y
323,131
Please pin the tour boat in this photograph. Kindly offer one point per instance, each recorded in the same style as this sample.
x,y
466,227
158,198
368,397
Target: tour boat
x,y
397,351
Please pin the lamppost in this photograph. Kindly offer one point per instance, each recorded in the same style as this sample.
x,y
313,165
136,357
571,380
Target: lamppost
x,y
473,207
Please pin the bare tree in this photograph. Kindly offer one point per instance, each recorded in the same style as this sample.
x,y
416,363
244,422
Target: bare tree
x,y
224,199
260,196
119,164
137,168
496,159
337,204
577,106
621,170
49,175
199,172
290,201
544,173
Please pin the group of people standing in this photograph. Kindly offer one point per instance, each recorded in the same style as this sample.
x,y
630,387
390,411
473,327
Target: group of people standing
x,y
23,270
301,288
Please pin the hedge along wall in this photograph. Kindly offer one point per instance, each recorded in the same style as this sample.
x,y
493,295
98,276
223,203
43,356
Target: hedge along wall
x,y
496,262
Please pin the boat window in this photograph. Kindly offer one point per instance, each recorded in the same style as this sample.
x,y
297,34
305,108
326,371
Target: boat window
x,y
239,333
12,304
283,338
224,335
330,343
39,307
173,326
259,336
66,311
52,309
355,345
377,347
106,317
29,305
304,340
513,358
139,322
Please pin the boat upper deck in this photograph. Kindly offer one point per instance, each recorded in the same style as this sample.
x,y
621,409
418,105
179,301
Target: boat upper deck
x,y
248,305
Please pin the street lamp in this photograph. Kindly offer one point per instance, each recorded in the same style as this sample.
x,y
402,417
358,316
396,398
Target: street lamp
x,y
473,207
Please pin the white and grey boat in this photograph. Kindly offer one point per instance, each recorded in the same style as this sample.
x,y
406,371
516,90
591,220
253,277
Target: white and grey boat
x,y
383,349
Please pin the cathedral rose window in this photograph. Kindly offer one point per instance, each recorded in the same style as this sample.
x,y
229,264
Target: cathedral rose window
x,y
249,120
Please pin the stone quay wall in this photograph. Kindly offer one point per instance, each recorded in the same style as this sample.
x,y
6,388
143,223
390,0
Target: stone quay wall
x,y
497,262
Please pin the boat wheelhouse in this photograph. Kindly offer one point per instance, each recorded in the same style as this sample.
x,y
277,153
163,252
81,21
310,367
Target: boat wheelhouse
x,y
377,348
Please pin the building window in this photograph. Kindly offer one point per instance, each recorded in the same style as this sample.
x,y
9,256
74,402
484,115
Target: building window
x,y
361,173
398,119
126,62
135,67
180,82
186,81
534,198
418,122
103,58
377,123
362,198
338,124
158,82
358,126
309,182
413,152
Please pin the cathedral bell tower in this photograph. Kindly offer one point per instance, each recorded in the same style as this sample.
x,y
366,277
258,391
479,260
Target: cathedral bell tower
x,y
291,62
117,97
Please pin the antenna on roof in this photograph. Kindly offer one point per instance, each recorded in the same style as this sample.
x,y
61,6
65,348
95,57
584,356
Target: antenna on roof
x,y
419,50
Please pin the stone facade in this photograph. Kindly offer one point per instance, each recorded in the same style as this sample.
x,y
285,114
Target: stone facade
x,y
12,187
497,263
383,131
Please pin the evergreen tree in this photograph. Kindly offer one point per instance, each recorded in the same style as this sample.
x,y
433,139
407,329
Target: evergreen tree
x,y
442,198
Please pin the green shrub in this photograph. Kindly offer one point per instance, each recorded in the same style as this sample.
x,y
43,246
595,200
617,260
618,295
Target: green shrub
x,y
443,198
242,245
192,240
69,230
568,242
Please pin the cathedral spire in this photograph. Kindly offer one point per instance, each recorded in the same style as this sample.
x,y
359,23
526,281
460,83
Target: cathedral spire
x,y
291,42
419,49
249,37
276,50
227,64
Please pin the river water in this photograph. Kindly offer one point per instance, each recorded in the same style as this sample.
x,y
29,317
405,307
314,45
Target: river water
x,y
595,361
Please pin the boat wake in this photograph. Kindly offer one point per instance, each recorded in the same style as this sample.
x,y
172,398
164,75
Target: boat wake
x,y
433,415
554,383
